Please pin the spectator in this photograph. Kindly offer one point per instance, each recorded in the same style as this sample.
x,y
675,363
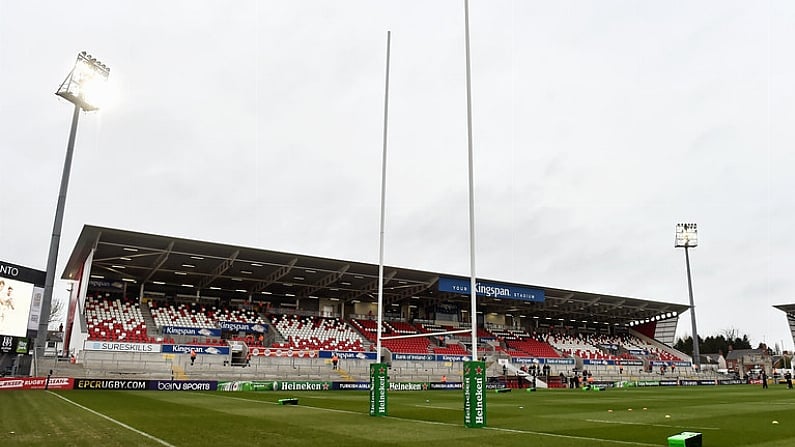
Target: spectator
x,y
334,361
192,356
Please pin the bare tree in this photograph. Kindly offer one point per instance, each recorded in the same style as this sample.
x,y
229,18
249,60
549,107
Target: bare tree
x,y
730,334
57,311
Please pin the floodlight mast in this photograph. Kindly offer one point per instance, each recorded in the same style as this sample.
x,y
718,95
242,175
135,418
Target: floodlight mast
x,y
686,237
81,87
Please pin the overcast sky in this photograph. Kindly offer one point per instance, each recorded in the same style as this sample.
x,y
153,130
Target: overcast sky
x,y
598,125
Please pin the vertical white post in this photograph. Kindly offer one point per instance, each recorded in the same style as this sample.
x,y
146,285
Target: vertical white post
x,y
383,207
473,280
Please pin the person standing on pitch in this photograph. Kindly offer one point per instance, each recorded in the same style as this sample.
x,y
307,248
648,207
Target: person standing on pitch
x,y
764,379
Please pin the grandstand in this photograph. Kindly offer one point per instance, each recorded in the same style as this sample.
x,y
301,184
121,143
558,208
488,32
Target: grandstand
x,y
789,311
145,300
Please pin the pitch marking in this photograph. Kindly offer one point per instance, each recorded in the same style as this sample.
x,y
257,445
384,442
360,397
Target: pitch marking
x,y
144,434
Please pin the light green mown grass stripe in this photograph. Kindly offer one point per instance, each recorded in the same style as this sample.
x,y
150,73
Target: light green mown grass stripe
x,y
122,424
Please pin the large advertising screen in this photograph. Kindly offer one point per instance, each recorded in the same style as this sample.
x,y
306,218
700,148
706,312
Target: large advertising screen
x,y
16,292
15,298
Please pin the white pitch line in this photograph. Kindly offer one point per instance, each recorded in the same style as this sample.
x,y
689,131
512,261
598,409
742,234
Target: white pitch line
x,y
584,438
437,407
144,434
603,421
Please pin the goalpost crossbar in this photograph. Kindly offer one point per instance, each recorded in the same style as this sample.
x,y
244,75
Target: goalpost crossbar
x,y
427,334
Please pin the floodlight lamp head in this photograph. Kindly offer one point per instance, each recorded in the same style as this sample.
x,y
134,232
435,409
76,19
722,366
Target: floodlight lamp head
x,y
85,84
686,235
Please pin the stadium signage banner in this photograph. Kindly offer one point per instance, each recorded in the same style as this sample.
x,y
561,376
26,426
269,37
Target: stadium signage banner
x,y
301,386
35,308
445,385
526,360
193,331
200,349
259,385
106,285
474,394
492,290
355,386
236,326
276,352
121,347
99,384
408,386
548,361
24,274
452,358
347,355
183,385
599,362
629,362
37,383
23,345
560,361
7,343
683,364
378,390
414,357
254,385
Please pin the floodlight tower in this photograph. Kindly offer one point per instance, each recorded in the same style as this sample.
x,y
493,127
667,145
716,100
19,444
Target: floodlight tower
x,y
83,87
687,237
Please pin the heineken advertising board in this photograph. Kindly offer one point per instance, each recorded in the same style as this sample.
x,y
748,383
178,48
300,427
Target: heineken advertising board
x,y
379,384
475,394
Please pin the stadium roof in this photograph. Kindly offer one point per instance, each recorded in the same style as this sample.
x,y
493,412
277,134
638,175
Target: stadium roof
x,y
786,308
185,267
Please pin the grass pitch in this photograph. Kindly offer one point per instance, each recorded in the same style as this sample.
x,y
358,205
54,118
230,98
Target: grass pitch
x,y
725,415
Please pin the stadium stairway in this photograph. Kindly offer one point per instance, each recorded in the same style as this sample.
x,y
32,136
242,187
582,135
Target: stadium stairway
x,y
178,372
152,331
62,368
344,375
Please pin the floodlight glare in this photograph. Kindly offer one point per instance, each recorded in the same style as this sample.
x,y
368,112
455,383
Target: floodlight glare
x,y
86,84
686,235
